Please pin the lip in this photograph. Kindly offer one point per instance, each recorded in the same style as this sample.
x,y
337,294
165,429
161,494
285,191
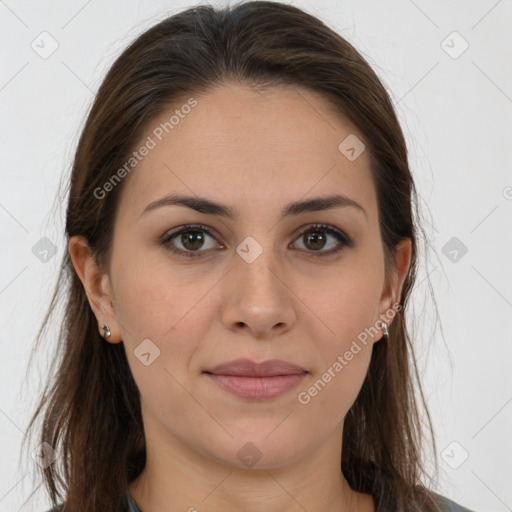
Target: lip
x,y
257,381
248,368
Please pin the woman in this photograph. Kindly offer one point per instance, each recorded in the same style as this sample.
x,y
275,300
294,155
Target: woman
x,y
241,253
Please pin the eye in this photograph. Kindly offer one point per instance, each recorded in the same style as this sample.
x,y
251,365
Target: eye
x,y
192,238
315,238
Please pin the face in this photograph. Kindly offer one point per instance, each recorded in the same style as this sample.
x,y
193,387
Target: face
x,y
195,289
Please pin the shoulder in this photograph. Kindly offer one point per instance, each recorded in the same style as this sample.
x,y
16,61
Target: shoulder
x,y
131,506
451,506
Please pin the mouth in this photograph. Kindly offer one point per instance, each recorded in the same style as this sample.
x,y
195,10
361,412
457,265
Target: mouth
x,y
256,381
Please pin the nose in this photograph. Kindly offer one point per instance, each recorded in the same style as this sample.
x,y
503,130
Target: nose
x,y
259,297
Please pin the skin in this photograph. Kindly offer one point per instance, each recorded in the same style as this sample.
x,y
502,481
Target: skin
x,y
254,151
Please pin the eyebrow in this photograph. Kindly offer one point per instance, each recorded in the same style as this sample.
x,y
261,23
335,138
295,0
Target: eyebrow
x,y
207,206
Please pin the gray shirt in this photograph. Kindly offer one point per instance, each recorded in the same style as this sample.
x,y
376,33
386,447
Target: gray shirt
x,y
450,506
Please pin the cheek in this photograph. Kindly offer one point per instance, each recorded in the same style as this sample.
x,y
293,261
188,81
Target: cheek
x,y
164,317
172,309
155,299
330,393
347,305
347,313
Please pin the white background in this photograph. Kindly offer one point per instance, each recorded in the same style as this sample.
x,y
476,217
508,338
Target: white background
x,y
456,113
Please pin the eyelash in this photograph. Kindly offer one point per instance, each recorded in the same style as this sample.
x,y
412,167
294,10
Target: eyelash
x,y
344,240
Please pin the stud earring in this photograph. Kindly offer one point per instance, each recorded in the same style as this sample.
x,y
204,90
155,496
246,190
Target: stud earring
x,y
385,332
106,332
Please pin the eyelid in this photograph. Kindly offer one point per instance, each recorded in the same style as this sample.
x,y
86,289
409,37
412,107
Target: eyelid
x,y
169,235
344,241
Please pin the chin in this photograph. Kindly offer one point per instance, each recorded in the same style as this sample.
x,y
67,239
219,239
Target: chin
x,y
258,451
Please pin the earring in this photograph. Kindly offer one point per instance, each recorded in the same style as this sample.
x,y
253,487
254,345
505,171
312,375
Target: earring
x,y
106,332
385,332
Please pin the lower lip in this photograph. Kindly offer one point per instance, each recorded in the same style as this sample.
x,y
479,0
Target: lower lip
x,y
257,388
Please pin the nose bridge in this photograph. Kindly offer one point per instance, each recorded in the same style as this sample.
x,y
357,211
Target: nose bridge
x,y
257,296
258,264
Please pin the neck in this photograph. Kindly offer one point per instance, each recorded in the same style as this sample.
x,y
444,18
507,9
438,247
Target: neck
x,y
178,478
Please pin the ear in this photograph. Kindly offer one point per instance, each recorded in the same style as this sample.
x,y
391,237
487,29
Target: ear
x,y
395,280
97,287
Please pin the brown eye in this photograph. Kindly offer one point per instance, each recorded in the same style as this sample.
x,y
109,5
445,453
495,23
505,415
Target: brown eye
x,y
316,238
194,238
191,238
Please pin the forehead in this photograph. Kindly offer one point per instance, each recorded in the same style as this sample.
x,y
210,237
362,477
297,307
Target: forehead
x,y
254,147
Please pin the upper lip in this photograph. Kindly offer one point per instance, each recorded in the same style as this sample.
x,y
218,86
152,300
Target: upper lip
x,y
248,368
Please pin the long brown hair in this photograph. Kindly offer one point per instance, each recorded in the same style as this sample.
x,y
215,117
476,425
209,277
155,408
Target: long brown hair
x,y
91,406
